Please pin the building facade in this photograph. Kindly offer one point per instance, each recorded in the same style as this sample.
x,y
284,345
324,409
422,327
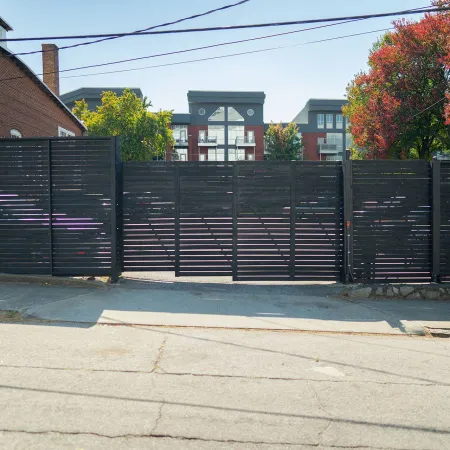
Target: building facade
x,y
93,96
29,106
220,126
324,130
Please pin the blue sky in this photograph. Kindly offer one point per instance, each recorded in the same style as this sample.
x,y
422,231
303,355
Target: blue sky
x,y
289,76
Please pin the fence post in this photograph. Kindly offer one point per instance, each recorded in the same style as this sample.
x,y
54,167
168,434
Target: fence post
x,y
292,224
234,263
177,218
115,252
50,203
347,172
436,220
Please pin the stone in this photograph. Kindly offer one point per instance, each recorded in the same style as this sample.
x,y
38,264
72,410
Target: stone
x,y
406,290
416,295
432,295
396,290
360,292
390,292
379,292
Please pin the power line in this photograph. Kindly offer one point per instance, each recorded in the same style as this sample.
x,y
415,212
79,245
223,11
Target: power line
x,y
195,16
228,56
232,27
186,50
431,106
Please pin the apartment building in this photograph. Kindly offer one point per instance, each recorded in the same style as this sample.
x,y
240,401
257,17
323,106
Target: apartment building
x,y
324,130
220,126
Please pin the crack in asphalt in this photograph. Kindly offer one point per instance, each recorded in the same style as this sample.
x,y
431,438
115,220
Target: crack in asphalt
x,y
192,438
159,355
161,372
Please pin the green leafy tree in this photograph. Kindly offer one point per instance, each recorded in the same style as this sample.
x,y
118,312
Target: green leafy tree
x,y
145,135
283,143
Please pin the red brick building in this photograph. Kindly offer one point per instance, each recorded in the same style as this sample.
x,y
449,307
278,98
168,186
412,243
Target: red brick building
x,y
29,106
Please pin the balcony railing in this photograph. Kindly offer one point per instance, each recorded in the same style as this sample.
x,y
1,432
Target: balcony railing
x,y
245,141
181,141
207,141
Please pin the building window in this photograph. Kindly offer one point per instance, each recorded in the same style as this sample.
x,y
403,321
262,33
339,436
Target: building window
x,y
234,116
15,134
180,133
180,154
201,111
250,112
202,157
62,132
320,121
218,115
339,121
235,133
329,120
218,132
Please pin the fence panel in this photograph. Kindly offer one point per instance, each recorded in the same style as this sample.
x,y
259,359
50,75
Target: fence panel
x,y
445,221
318,200
205,219
25,234
81,175
149,216
392,238
263,221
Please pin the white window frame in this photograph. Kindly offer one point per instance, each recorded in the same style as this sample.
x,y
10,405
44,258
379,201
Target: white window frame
x,y
339,121
250,136
65,132
329,125
16,134
321,121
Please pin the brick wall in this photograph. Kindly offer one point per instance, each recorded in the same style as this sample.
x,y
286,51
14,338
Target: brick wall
x,y
28,108
311,150
259,140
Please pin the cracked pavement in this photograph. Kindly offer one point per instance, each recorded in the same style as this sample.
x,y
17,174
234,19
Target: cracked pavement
x,y
134,387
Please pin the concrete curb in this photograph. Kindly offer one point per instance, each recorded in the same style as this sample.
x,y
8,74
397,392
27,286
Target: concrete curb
x,y
398,291
51,281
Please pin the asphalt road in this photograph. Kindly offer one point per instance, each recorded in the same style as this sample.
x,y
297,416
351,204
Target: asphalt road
x,y
114,387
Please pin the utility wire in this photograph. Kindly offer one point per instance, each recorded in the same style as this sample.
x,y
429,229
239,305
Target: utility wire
x,y
186,50
228,56
195,16
232,27
431,106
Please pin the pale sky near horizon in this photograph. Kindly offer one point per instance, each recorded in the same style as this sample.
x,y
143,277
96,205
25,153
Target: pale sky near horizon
x,y
289,76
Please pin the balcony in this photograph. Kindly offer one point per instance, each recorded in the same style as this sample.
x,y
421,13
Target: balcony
x,y
181,142
207,141
247,141
329,146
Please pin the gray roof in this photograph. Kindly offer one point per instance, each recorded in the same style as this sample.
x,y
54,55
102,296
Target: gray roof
x,y
181,119
322,105
253,97
94,93
4,24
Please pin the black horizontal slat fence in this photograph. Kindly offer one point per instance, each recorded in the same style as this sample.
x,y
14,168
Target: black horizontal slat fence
x,y
58,206
68,206
392,221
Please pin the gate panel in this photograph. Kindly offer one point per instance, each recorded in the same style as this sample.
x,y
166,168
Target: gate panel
x,y
318,221
82,172
206,221
263,221
392,221
445,221
25,238
149,216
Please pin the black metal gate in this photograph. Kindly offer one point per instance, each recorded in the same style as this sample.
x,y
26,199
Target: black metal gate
x,y
259,220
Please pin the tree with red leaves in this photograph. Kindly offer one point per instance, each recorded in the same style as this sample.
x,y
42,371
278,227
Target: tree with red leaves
x,y
400,108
